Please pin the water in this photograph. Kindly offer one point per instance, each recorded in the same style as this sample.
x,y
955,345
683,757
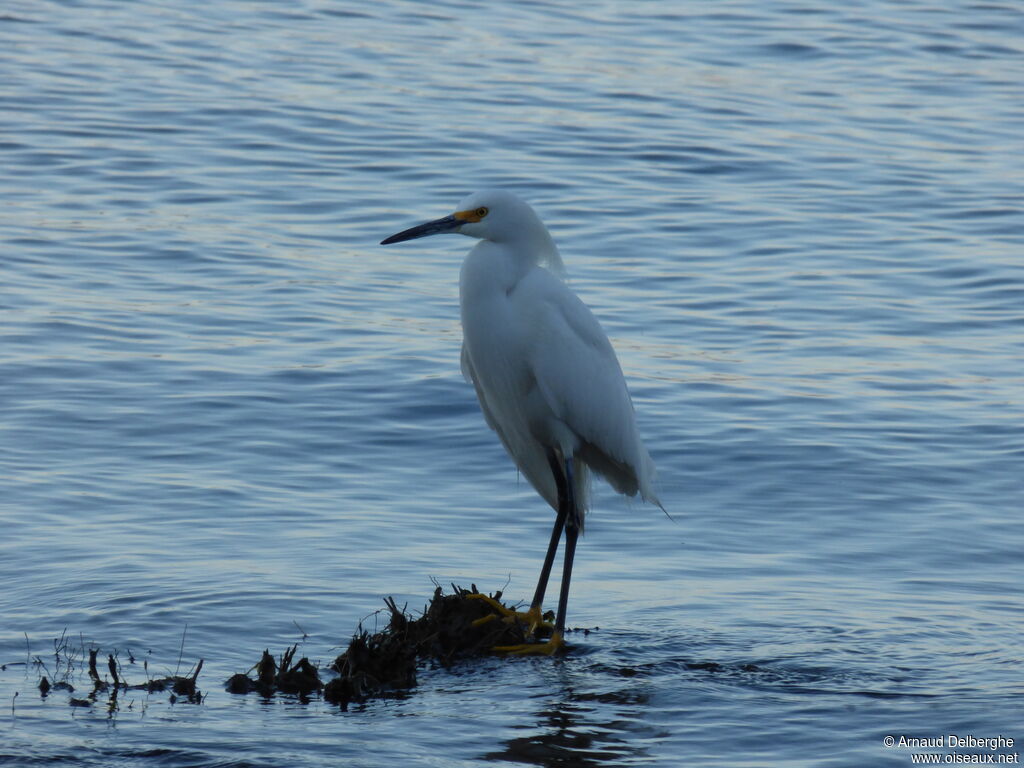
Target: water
x,y
231,419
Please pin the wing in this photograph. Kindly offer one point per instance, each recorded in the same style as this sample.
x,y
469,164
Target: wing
x,y
579,377
470,375
502,412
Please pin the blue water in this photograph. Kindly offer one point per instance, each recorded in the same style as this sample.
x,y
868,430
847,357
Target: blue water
x,y
231,421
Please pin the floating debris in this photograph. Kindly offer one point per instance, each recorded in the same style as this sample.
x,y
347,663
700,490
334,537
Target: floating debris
x,y
452,627
70,664
299,678
384,664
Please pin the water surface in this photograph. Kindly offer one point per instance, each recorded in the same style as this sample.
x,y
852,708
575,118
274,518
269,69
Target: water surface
x,y
230,418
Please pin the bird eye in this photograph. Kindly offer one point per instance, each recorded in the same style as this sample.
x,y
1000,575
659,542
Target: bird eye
x,y
481,212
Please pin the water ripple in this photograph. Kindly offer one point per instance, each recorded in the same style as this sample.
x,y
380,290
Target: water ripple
x,y
227,408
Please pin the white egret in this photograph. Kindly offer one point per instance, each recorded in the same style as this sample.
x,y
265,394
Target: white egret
x,y
545,374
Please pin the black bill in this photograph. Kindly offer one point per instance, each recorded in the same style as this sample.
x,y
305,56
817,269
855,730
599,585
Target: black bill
x,y
436,227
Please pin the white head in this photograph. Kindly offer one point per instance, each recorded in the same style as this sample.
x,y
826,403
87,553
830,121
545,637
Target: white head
x,y
495,215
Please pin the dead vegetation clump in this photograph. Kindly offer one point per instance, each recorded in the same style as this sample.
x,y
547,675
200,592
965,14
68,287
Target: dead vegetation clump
x,y
461,625
287,676
384,664
69,664
452,627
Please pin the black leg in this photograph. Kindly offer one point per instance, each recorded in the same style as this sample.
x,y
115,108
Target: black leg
x,y
569,519
572,532
556,533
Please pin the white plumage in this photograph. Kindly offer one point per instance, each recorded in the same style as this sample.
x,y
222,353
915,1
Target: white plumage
x,y
544,371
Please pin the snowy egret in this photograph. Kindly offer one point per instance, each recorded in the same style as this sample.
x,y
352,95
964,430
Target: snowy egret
x,y
545,374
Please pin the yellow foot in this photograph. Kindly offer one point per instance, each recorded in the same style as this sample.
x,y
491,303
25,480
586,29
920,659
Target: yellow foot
x,y
532,617
554,645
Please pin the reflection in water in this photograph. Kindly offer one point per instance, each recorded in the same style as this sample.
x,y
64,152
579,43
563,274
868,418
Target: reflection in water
x,y
580,728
